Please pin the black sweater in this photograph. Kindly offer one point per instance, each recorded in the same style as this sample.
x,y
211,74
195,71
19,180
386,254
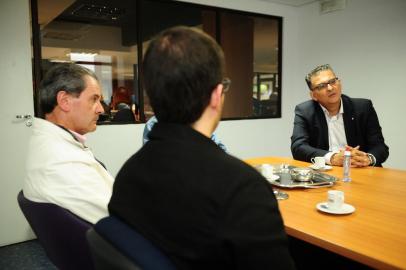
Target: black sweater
x,y
202,207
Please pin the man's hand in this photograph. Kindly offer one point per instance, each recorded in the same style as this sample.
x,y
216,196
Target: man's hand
x,y
337,159
358,157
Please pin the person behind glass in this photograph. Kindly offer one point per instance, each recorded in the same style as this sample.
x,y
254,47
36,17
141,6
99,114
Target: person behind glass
x,y
60,168
152,121
202,207
332,122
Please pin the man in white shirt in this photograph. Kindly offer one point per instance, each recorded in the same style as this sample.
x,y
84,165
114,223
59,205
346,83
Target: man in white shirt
x,y
331,122
60,168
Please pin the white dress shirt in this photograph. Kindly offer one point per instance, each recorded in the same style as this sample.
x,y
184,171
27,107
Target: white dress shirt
x,y
336,132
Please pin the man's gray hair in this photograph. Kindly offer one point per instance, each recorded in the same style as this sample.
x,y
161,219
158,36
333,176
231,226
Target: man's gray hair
x,y
66,77
315,71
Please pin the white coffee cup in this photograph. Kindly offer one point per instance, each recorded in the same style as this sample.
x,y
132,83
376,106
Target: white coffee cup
x,y
267,170
335,199
319,162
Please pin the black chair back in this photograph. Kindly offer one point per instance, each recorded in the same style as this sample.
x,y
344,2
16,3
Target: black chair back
x,y
116,245
61,233
124,115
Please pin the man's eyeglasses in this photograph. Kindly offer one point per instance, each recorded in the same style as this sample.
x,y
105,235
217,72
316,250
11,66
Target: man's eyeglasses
x,y
226,84
323,86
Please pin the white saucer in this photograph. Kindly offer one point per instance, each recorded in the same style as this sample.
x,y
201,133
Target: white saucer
x,y
345,209
325,168
274,177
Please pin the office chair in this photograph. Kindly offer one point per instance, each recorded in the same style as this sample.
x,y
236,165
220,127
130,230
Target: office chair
x,y
116,245
61,233
124,115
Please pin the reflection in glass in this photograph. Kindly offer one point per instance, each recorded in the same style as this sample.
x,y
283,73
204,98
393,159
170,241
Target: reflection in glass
x,y
110,37
266,90
92,36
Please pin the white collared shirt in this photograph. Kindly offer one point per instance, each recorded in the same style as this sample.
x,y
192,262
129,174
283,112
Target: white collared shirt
x,y
336,132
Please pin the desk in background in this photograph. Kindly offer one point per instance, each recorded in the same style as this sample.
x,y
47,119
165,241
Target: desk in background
x,y
373,235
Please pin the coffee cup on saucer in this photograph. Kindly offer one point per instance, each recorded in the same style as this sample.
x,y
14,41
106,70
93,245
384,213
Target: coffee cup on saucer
x,y
335,199
267,170
318,162
335,204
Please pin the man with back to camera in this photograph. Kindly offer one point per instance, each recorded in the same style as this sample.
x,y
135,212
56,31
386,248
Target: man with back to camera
x,y
332,122
202,207
60,168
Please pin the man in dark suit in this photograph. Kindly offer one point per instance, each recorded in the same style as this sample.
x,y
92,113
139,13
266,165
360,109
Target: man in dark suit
x,y
331,123
202,207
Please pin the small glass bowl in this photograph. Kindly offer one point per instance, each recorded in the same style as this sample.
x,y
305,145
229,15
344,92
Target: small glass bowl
x,y
301,174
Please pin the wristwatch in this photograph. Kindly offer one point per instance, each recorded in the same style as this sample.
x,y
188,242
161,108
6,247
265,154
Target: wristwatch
x,y
372,159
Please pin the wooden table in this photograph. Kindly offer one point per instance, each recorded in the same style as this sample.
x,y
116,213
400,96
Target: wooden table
x,y
375,234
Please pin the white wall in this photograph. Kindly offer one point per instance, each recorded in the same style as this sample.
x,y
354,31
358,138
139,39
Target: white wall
x,y
366,45
113,145
16,99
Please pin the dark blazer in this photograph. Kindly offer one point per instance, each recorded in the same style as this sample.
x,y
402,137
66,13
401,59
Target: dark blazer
x,y
310,131
202,207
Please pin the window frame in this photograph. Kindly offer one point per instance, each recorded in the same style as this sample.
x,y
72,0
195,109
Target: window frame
x,y
37,57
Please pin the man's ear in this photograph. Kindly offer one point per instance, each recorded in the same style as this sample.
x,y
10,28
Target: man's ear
x,y
63,100
216,96
312,96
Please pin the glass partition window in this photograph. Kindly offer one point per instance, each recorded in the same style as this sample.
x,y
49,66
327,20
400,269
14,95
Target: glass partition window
x,y
110,37
90,33
266,90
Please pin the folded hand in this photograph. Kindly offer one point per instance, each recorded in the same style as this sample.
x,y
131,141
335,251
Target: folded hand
x,y
358,157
